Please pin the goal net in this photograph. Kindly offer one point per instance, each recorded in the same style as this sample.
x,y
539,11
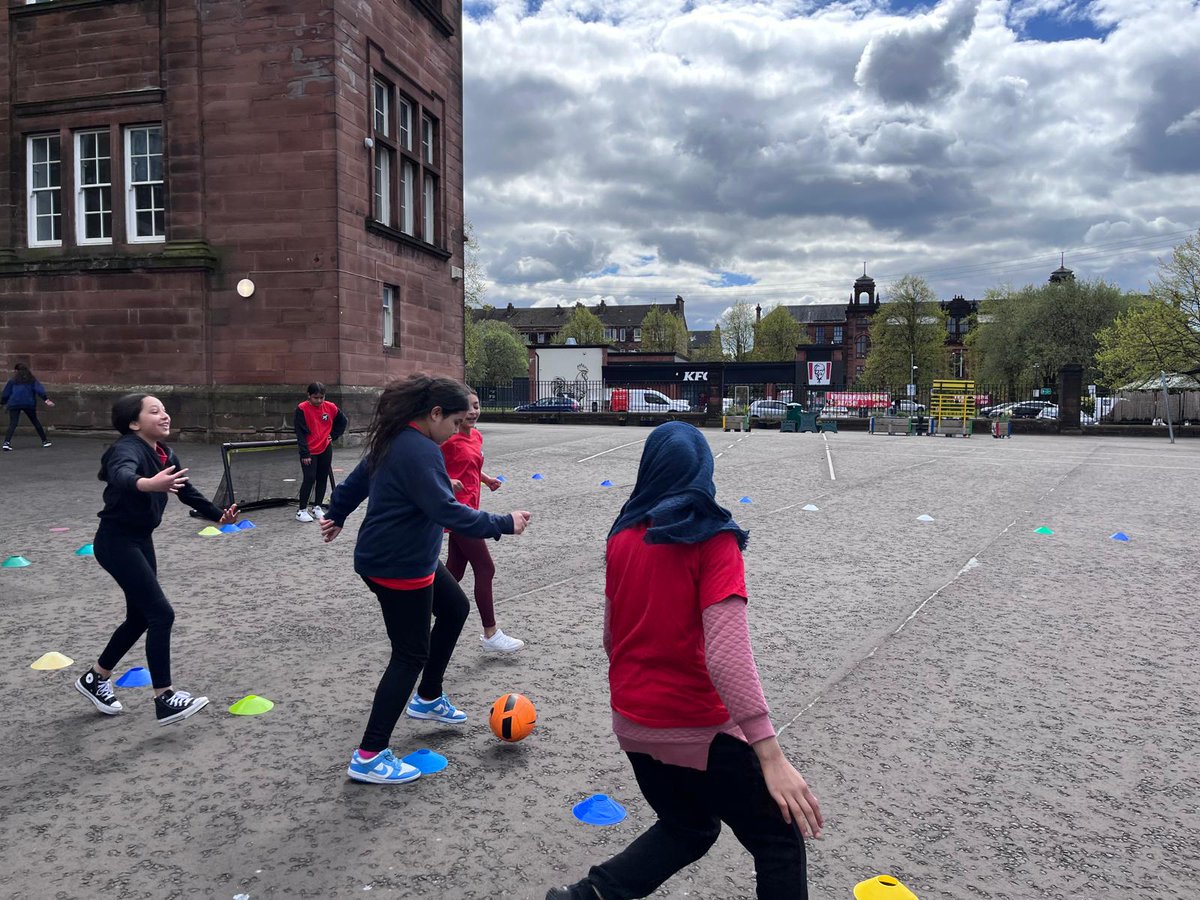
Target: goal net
x,y
259,474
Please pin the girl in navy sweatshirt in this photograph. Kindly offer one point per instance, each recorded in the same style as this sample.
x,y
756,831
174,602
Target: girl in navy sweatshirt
x,y
21,395
139,472
399,542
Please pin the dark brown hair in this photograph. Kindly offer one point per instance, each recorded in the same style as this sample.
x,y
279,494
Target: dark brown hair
x,y
407,399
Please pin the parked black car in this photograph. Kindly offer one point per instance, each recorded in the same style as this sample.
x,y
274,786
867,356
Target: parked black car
x,y
550,405
1029,409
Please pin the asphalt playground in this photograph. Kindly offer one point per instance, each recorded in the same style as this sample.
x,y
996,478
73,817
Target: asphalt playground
x,y
985,711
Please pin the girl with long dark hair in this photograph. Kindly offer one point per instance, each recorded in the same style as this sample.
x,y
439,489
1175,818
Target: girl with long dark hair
x,y
21,395
399,543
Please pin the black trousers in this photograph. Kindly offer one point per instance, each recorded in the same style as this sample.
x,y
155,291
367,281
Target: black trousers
x,y
14,416
316,472
691,805
131,562
415,649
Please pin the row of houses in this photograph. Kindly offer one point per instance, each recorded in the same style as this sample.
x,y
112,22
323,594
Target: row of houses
x,y
844,327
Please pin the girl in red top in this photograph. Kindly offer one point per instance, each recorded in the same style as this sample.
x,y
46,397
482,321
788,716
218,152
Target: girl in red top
x,y
687,704
464,464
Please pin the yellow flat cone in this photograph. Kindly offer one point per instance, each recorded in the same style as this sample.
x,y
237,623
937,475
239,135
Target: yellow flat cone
x,y
52,660
882,887
209,531
251,706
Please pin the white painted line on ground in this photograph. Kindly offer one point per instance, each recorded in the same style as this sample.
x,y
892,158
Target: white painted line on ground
x,y
544,587
828,456
719,455
602,452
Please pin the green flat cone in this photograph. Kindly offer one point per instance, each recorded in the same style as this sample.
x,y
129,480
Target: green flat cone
x,y
251,706
1043,530
209,531
15,562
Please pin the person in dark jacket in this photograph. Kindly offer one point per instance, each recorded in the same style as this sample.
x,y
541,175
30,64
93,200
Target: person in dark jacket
x,y
399,543
139,472
318,423
21,395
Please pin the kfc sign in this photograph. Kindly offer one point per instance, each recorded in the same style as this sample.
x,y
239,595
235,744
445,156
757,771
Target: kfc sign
x,y
820,372
695,376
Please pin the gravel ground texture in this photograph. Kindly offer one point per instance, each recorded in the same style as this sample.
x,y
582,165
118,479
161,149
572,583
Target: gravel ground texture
x,y
984,711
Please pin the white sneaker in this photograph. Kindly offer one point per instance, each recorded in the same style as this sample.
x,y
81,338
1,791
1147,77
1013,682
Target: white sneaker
x,y
303,516
318,513
500,643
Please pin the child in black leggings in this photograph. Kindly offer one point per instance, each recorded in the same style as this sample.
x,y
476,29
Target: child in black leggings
x,y
397,552
139,472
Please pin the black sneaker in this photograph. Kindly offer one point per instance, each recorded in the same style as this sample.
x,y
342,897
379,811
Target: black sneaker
x,y
7,447
99,691
175,706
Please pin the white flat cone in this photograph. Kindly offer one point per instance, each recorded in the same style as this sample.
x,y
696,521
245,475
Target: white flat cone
x,y
811,508
924,518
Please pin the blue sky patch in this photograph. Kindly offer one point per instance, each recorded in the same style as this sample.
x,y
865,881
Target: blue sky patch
x,y
732,279
610,269
1067,25
478,10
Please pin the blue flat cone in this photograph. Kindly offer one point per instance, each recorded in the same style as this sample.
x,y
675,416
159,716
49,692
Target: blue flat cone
x,y
745,500
85,550
230,528
245,525
538,476
501,479
606,483
135,677
427,761
599,809
1120,536
15,562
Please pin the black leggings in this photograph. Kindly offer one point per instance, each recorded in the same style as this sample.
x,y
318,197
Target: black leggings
x,y
415,650
316,472
131,561
14,416
691,805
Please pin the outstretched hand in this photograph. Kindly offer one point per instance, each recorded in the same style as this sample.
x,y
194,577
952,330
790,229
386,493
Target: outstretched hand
x,y
168,481
229,516
328,529
520,520
492,483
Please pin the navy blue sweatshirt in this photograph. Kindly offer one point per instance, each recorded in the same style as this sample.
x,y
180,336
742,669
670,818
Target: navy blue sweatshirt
x,y
136,512
410,502
18,395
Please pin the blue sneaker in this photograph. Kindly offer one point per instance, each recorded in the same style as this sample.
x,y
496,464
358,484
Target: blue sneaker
x,y
440,710
382,768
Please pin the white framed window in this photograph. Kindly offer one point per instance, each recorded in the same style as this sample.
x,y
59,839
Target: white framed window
x,y
43,174
93,187
383,185
427,139
145,189
383,104
389,315
637,335
428,207
837,334
404,113
407,201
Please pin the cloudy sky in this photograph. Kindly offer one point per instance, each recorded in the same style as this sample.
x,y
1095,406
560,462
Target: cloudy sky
x,y
764,149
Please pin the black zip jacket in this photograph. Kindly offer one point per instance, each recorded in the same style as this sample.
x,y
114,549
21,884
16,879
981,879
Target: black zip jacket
x,y
137,512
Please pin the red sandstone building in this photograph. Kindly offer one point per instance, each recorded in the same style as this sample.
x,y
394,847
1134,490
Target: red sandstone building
x,y
231,197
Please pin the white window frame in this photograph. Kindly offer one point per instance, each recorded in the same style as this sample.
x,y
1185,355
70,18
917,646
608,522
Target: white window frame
x,y
637,335
427,131
382,107
407,198
404,117
103,187
389,315
382,180
428,208
48,189
131,208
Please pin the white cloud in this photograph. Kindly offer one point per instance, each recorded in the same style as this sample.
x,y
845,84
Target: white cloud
x,y
634,150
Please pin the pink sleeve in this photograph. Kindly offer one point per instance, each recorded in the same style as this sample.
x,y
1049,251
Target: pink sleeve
x,y
731,668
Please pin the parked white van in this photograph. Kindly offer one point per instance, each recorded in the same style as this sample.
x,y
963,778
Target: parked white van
x,y
644,400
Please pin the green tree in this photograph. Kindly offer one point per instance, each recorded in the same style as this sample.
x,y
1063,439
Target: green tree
x,y
664,332
775,336
909,329
1162,332
583,325
1025,336
1148,338
737,331
713,351
495,352
474,276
